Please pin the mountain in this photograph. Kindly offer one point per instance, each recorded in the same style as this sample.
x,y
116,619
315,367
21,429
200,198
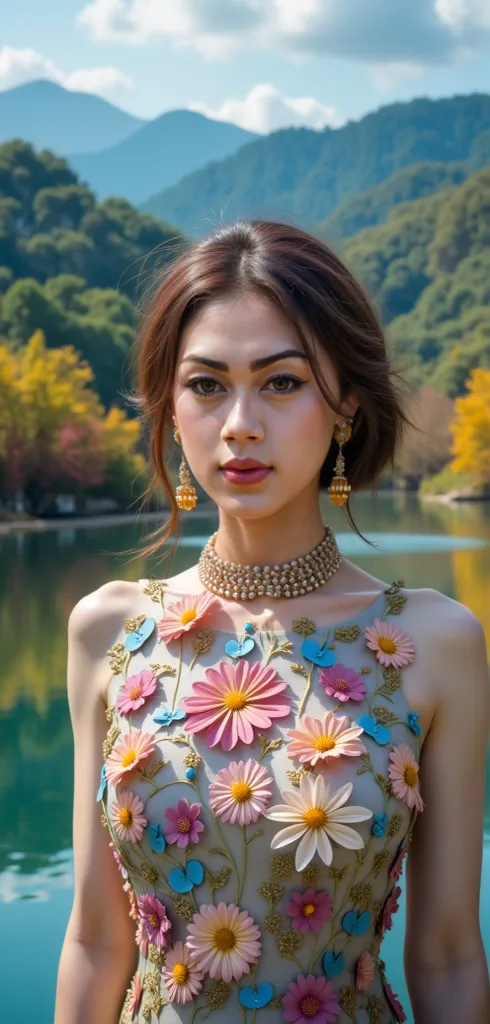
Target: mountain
x,y
305,175
159,154
50,117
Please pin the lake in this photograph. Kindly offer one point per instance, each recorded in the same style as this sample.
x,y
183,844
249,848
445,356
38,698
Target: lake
x,y
43,576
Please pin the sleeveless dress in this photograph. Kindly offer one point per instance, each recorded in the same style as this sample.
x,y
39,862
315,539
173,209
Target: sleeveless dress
x,y
259,791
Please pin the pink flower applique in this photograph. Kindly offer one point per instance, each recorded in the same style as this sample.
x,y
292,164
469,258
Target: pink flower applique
x,y
183,823
364,972
127,816
142,938
404,775
343,683
224,941
390,908
132,748
397,866
396,1006
240,792
314,740
135,993
235,700
309,910
135,691
391,645
185,614
310,999
154,919
181,976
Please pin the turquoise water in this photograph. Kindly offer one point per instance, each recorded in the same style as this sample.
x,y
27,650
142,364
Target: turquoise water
x,y
42,577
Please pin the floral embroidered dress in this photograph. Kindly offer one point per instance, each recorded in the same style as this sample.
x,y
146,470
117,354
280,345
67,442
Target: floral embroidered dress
x,y
259,792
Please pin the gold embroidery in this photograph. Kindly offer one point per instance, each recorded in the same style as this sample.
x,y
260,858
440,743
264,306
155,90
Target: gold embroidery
x,y
117,657
395,602
162,670
133,625
337,874
110,740
385,716
381,860
304,627
155,588
365,670
273,922
310,876
282,865
110,712
300,670
183,908
203,641
271,891
156,954
289,943
103,817
362,895
267,745
348,1000
149,873
347,635
394,825
192,760
220,880
375,1009
217,995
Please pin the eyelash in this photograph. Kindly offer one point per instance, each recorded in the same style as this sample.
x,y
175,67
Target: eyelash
x,y
296,383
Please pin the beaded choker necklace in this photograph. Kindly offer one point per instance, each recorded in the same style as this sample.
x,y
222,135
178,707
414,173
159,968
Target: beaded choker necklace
x,y
291,579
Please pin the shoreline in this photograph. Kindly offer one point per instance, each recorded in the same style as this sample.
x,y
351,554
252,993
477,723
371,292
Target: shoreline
x,y
93,522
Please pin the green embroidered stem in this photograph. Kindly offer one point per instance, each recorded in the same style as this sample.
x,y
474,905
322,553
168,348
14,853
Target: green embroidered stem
x,y
306,691
179,673
244,863
173,782
221,834
200,1006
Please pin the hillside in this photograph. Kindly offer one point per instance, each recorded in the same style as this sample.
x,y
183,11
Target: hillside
x,y
70,266
50,117
159,154
306,175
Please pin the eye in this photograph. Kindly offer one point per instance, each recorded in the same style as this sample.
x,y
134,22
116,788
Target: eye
x,y
284,384
205,387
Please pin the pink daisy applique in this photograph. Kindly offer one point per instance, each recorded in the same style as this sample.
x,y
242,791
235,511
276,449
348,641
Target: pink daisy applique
x,y
342,683
154,919
240,792
390,907
364,972
181,976
315,740
309,910
127,817
136,691
185,614
394,1002
310,999
404,776
224,941
142,938
397,867
235,700
183,825
132,748
390,644
135,993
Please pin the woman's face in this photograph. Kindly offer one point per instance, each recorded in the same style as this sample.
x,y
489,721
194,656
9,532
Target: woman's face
x,y
255,428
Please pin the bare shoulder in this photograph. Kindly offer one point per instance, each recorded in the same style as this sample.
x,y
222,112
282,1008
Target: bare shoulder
x,y
442,617
97,616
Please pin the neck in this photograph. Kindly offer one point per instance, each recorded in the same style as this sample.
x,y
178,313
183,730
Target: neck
x,y
275,539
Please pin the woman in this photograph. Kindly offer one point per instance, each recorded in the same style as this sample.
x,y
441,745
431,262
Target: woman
x,y
268,709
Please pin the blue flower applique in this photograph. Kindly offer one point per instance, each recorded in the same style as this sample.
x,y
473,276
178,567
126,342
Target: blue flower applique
x,y
158,842
136,639
378,827
102,784
184,879
373,728
163,716
413,722
255,998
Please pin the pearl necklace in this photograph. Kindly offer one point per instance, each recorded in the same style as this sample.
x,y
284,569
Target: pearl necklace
x,y
291,579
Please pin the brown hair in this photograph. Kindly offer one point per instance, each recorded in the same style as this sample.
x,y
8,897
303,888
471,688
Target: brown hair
x,y
316,291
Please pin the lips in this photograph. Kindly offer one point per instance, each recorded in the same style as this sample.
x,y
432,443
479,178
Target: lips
x,y
245,471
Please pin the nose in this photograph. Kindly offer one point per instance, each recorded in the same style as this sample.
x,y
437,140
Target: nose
x,y
241,422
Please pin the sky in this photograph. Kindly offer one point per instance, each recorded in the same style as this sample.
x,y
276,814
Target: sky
x,y
263,64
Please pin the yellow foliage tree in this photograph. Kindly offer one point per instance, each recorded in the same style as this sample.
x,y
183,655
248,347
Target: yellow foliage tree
x,y
471,429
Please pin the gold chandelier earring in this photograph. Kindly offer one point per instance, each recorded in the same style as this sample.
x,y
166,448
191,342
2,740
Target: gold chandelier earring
x,y
340,487
185,494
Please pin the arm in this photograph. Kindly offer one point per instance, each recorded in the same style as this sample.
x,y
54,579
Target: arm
x,y
99,950
444,958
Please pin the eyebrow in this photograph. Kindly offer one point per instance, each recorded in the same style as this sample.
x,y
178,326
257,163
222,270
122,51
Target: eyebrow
x,y
254,366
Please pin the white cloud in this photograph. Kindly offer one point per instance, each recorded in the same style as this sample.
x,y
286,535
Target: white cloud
x,y
387,76
374,31
19,66
264,109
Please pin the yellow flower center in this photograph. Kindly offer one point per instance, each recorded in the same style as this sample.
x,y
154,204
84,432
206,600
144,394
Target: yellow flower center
x,y
224,940
188,616
386,644
308,909
309,1006
128,758
180,974
184,825
411,775
324,743
125,816
241,792
135,692
315,817
154,920
235,701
